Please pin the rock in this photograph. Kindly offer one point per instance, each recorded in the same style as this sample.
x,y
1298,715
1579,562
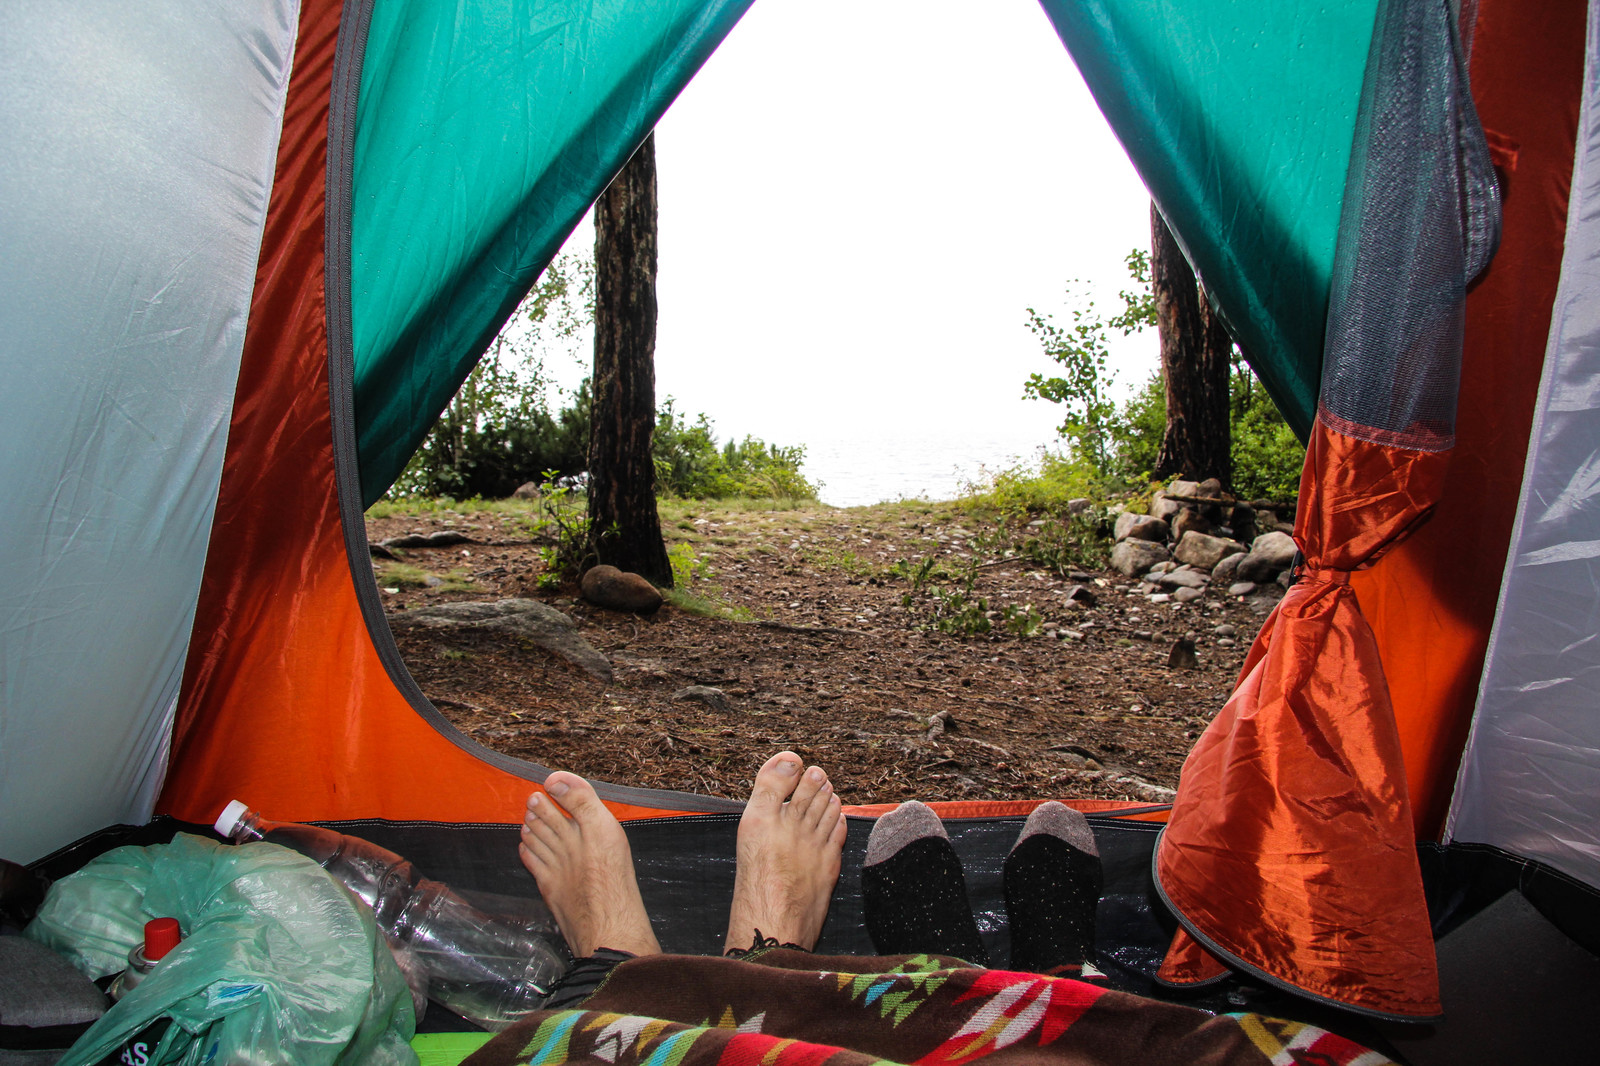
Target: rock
x,y
1163,508
1079,594
1140,527
1182,579
528,490
1162,568
714,698
1182,656
1184,488
1079,505
1160,597
1185,595
378,551
1225,630
528,619
1132,558
1202,550
1223,573
606,586
1226,642
1189,521
1241,588
442,539
1211,487
1270,555
1286,578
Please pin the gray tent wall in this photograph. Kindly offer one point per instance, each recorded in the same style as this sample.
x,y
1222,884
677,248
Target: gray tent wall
x,y
139,148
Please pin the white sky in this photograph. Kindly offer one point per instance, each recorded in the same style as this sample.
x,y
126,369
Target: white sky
x,y
859,200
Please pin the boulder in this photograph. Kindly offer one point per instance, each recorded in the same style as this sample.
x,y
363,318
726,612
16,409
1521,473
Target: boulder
x,y
444,538
1182,579
1223,573
1133,558
528,490
1184,488
1079,505
1211,488
528,620
1185,595
1204,551
1189,520
1163,508
1241,588
1270,555
1140,527
606,586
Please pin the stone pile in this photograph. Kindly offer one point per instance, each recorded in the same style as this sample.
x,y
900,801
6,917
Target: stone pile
x,y
1197,538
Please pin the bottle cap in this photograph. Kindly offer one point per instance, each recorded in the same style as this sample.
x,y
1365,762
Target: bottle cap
x,y
229,818
161,935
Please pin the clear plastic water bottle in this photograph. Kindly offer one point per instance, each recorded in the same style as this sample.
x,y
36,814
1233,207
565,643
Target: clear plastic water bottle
x,y
489,968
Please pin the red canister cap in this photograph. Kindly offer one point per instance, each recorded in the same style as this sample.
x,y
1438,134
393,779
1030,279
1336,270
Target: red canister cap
x,y
161,935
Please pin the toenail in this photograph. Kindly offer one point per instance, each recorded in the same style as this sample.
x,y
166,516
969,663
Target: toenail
x,y
787,767
814,773
534,801
558,789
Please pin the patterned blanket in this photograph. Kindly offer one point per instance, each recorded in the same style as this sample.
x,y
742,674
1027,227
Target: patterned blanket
x,y
789,1008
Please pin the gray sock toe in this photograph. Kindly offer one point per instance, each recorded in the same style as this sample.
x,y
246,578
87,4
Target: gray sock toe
x,y
1061,821
908,822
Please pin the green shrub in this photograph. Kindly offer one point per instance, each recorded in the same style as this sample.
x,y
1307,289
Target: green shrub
x,y
690,464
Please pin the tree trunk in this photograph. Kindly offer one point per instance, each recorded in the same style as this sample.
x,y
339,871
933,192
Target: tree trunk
x,y
624,528
1195,350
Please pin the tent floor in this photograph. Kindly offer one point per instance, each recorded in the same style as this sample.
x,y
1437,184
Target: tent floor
x,y
1516,989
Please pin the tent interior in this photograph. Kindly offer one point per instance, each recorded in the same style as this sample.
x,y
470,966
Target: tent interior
x,y
255,251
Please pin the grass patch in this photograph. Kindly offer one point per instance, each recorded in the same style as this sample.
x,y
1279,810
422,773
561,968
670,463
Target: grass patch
x,y
419,506
406,576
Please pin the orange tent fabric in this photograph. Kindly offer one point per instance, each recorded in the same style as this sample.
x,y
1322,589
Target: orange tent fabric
x,y
1290,850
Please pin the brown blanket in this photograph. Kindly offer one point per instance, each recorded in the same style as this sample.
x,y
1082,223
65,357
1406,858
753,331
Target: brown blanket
x,y
789,1008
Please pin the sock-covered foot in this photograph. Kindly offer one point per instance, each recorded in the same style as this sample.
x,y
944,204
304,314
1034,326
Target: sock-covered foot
x,y
791,836
913,891
580,858
1052,886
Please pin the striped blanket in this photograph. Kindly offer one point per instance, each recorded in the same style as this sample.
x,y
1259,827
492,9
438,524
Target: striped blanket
x,y
789,1008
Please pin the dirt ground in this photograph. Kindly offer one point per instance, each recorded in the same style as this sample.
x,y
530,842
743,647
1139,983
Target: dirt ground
x,y
807,637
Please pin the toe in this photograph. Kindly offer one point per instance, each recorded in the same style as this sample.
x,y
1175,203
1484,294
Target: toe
x,y
841,829
813,785
824,812
577,796
775,781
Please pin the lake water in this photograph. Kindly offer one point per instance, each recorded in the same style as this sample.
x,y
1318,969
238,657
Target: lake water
x,y
872,468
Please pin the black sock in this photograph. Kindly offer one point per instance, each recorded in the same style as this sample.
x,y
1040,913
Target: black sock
x,y
913,891
1052,886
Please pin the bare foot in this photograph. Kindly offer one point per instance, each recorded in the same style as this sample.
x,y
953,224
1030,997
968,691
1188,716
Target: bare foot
x,y
790,838
585,869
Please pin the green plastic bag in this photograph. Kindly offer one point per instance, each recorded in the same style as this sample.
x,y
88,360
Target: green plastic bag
x,y
279,962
